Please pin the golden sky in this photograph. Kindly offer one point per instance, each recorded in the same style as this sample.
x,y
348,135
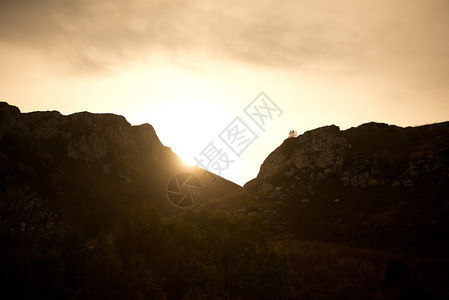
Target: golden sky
x,y
190,68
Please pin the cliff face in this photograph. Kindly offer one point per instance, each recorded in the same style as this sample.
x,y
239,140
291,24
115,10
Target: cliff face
x,y
308,159
375,185
370,155
83,169
89,136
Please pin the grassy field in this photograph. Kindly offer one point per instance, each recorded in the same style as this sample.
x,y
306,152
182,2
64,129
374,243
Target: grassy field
x,y
331,271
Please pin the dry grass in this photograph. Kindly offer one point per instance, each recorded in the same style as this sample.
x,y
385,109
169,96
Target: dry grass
x,y
332,271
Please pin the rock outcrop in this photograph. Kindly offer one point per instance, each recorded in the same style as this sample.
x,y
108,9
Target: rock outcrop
x,y
90,136
372,154
83,169
376,185
308,159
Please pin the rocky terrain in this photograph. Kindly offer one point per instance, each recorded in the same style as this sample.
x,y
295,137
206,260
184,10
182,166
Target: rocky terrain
x,y
84,170
375,185
333,214
370,155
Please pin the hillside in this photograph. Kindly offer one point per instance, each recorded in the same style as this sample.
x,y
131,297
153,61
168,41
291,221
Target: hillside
x,y
376,185
94,208
360,213
85,170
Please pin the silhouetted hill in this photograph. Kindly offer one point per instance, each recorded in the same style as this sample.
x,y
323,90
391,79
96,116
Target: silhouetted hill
x,y
354,214
84,170
377,186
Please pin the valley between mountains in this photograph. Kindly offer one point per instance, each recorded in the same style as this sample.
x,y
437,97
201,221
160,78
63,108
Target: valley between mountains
x,y
89,209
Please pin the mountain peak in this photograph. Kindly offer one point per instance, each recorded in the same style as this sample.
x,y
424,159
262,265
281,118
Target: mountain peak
x,y
375,185
370,154
58,169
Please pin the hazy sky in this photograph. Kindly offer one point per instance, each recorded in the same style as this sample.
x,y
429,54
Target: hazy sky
x,y
190,68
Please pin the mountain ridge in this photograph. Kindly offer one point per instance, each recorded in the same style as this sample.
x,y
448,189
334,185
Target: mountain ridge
x,y
332,214
85,168
375,186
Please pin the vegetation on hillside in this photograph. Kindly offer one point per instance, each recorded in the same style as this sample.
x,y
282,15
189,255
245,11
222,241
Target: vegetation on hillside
x,y
206,256
198,256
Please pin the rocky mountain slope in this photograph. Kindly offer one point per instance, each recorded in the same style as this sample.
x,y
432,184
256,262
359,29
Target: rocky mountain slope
x,y
84,170
376,185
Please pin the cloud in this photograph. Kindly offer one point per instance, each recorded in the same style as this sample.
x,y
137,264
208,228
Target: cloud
x,y
385,37
92,34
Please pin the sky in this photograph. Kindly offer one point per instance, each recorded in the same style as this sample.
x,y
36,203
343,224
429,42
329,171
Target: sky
x,y
194,69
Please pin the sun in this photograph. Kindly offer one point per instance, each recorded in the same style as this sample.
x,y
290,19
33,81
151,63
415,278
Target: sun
x,y
187,109
189,125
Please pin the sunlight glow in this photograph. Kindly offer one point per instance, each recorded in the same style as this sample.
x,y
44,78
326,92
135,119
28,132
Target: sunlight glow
x,y
188,107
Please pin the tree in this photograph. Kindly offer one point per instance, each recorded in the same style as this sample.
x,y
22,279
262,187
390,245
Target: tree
x,y
292,134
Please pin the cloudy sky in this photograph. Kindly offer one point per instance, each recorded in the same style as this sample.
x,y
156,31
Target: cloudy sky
x,y
190,68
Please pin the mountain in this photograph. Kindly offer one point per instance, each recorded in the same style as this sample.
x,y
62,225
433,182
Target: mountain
x,y
377,185
91,208
374,186
84,170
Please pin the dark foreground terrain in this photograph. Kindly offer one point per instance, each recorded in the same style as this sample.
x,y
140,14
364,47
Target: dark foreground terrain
x,y
354,214
360,213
